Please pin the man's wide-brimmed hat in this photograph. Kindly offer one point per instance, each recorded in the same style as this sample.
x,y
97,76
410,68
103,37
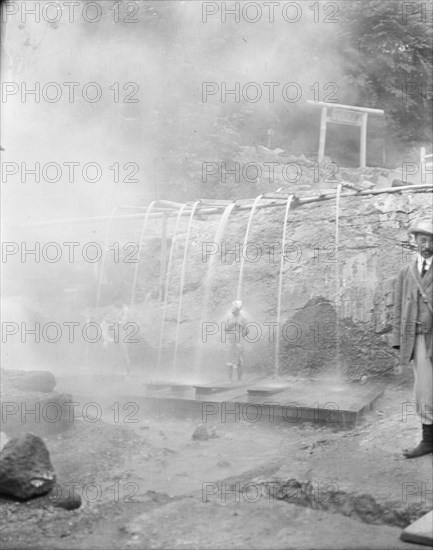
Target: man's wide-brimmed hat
x,y
422,226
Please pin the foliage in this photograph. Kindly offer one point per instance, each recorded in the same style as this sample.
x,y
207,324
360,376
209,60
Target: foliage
x,y
380,57
388,63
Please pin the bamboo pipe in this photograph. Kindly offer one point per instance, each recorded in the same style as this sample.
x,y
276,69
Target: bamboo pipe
x,y
217,210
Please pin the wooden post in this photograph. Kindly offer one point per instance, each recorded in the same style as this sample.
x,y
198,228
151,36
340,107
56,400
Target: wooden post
x,y
163,258
363,144
322,136
421,156
345,114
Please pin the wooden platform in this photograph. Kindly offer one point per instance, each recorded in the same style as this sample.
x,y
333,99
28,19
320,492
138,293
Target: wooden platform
x,y
173,386
287,401
157,385
421,531
208,389
295,401
263,391
179,387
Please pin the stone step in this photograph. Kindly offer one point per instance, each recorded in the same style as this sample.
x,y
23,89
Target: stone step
x,y
421,531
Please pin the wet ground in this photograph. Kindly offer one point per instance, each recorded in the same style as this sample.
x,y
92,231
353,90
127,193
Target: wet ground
x,y
145,483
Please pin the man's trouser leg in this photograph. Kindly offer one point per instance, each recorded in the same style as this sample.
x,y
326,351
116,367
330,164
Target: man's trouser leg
x,y
423,393
231,358
240,363
423,388
124,350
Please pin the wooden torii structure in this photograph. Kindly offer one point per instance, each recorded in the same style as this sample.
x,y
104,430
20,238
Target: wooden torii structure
x,y
348,115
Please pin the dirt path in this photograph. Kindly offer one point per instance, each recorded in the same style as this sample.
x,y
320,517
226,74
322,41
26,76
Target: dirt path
x,y
149,484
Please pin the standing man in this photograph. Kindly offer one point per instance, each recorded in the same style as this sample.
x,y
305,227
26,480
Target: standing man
x,y
235,331
413,328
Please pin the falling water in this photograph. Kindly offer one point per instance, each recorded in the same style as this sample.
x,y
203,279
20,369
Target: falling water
x,y
101,278
280,286
104,257
241,271
337,276
182,280
143,229
167,282
207,285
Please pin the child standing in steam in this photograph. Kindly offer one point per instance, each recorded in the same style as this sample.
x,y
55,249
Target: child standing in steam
x,y
235,330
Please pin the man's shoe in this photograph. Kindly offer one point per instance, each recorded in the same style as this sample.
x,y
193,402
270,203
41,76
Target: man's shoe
x,y
426,445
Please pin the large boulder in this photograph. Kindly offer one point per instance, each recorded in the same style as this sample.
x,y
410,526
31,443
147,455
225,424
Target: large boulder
x,y
40,413
309,346
29,404
38,380
25,468
43,381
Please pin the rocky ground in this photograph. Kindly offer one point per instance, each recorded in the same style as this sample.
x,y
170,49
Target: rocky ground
x,y
149,484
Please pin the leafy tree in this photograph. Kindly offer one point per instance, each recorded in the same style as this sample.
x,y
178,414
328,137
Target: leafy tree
x,y
388,63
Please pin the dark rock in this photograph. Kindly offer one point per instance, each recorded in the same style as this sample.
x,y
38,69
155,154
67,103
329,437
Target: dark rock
x,y
312,348
38,380
43,381
25,467
71,502
223,463
305,350
202,433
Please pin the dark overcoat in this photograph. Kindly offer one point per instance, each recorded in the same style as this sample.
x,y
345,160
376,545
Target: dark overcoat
x,y
410,307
